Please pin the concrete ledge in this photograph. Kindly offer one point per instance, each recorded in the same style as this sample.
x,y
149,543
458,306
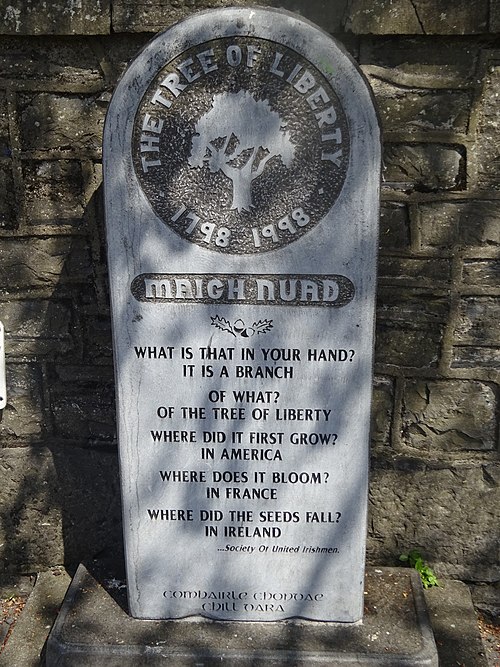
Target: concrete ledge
x,y
94,628
25,646
450,609
454,623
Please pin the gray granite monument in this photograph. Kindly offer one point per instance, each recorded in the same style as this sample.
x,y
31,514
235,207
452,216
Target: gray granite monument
x,y
241,167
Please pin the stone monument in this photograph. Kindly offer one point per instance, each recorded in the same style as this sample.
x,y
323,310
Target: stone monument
x,y
241,170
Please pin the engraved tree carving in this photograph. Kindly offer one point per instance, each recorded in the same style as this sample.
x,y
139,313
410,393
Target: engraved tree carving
x,y
238,136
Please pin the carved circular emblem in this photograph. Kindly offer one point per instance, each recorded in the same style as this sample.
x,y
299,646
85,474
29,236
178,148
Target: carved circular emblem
x,y
240,145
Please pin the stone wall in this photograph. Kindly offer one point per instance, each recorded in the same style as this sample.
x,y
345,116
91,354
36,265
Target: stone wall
x,y
434,66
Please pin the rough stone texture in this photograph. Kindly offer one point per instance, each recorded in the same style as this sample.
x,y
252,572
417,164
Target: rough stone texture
x,y
48,505
421,110
53,192
424,167
418,62
4,126
494,17
454,415
424,271
149,15
394,226
488,163
469,223
36,328
451,515
415,17
483,272
438,307
7,198
63,122
61,63
63,17
400,345
33,263
405,317
383,401
478,321
476,335
97,337
82,404
476,357
23,418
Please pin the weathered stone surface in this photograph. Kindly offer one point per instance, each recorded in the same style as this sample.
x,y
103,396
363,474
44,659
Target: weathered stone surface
x,y
36,328
398,345
415,110
487,145
329,14
485,273
410,326
413,17
424,167
486,600
451,515
4,127
474,223
494,17
400,304
82,404
453,415
476,337
63,122
119,49
56,505
54,64
23,417
420,110
382,407
418,271
416,62
53,192
7,197
394,226
476,357
477,323
33,263
156,15
97,335
64,17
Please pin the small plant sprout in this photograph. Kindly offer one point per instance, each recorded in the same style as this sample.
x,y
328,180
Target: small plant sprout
x,y
415,560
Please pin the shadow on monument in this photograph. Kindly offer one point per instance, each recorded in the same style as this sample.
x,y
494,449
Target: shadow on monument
x,y
322,387
83,483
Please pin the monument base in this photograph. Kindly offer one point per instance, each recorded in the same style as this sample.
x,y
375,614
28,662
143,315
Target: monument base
x,y
93,627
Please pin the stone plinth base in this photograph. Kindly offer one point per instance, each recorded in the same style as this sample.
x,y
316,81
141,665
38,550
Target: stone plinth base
x,y
93,628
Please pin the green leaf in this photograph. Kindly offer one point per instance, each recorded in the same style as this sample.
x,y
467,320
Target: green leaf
x,y
415,560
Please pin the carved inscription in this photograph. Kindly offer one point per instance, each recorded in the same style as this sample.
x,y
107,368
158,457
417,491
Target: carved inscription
x,y
241,178
250,129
